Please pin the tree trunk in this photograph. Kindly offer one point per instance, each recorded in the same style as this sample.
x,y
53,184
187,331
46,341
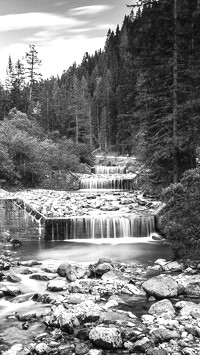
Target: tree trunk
x,y
175,100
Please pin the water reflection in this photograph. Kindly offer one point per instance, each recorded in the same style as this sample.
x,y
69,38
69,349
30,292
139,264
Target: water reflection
x,y
31,232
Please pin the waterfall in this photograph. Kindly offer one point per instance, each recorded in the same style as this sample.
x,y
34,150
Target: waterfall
x,y
99,227
111,183
100,169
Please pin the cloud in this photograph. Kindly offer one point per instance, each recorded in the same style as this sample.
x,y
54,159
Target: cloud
x,y
89,10
35,20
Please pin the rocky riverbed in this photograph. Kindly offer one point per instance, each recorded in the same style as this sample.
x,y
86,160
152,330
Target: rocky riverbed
x,y
92,309
55,204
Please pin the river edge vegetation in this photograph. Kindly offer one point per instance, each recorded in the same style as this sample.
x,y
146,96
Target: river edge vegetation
x,y
140,96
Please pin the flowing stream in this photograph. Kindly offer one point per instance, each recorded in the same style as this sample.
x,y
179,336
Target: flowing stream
x,y
111,238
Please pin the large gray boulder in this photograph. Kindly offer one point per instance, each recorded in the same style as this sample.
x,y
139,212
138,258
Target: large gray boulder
x,y
108,338
72,272
103,268
163,306
161,286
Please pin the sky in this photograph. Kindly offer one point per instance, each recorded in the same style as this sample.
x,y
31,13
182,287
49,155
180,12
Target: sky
x,y
61,30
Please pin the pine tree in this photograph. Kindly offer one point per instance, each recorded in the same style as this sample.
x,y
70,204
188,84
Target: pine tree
x,y
32,70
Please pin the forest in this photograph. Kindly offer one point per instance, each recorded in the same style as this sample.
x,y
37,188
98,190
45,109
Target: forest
x,y
138,96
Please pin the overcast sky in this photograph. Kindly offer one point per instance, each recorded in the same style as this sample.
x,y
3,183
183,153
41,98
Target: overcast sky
x,y
62,30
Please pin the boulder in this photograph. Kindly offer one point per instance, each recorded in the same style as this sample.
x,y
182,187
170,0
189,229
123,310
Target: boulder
x,y
11,290
108,338
172,266
42,348
67,321
17,349
163,306
87,311
62,269
71,272
30,263
105,259
187,308
142,345
13,278
57,285
193,288
43,277
133,290
103,268
27,316
161,286
162,334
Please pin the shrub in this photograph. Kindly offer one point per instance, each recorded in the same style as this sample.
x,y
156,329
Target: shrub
x,y
180,218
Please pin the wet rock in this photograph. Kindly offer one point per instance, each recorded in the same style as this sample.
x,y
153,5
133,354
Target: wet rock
x,y
26,272
5,266
87,311
66,349
188,351
160,262
172,266
161,286
71,272
57,285
62,269
133,290
187,308
13,278
142,345
95,352
43,277
27,316
42,348
193,288
108,338
75,272
162,307
109,207
157,237
161,335
105,259
103,268
11,290
17,349
81,349
30,263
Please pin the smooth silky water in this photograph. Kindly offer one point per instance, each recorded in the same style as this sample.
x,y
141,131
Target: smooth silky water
x,y
23,226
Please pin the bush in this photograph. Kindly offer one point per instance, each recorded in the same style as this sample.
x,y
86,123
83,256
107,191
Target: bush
x,y
180,218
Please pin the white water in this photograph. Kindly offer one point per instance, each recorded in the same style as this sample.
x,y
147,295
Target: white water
x,y
104,227
100,169
110,183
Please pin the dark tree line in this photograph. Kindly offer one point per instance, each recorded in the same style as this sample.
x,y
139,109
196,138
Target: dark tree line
x,y
140,95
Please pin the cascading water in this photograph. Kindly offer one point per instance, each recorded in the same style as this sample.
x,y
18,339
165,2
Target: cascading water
x,y
107,177
110,183
100,169
100,227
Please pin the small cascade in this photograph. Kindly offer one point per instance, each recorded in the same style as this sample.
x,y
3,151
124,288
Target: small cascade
x,y
100,169
100,227
107,177
111,183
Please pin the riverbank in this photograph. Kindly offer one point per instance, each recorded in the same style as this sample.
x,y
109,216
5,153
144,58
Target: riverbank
x,y
103,308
